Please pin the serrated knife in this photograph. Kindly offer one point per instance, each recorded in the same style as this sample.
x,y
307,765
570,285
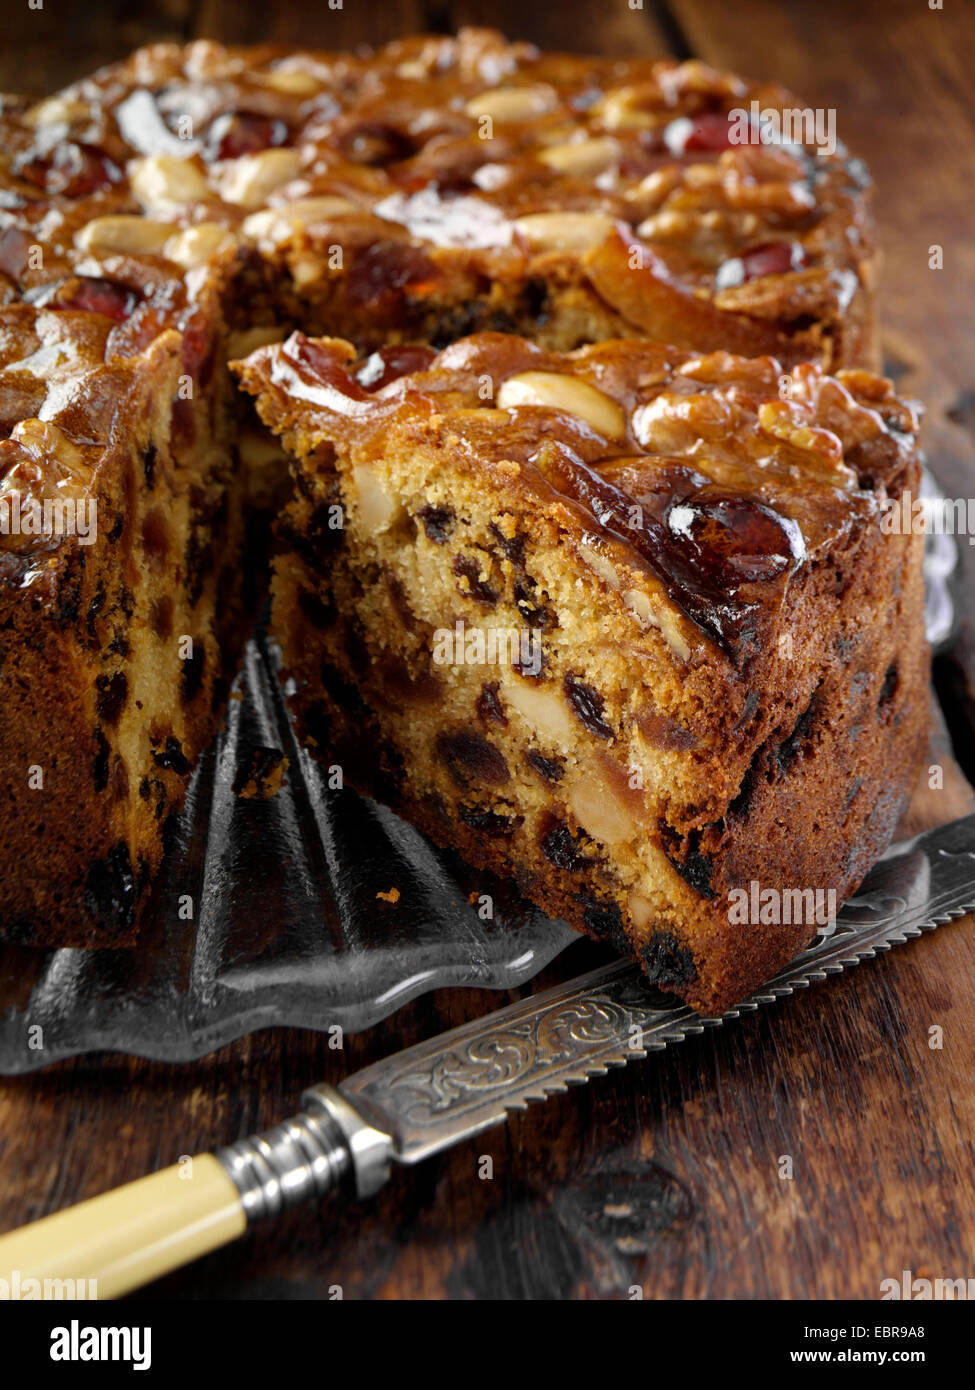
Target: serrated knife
x,y
444,1091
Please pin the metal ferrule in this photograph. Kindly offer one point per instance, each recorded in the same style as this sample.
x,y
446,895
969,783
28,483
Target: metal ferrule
x,y
307,1156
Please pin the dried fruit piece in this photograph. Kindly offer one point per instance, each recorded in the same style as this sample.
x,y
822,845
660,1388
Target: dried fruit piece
x,y
588,705
95,295
771,258
237,133
470,757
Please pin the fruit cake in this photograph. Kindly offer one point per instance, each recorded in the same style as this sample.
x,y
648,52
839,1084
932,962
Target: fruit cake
x,y
621,623
194,202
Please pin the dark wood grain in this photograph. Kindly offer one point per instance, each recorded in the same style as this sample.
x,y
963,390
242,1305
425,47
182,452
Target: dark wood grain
x,y
665,1175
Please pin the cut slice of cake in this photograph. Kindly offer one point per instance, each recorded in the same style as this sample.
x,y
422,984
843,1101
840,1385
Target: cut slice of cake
x,y
623,624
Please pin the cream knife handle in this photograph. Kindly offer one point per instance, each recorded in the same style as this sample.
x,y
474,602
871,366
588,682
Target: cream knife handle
x,y
130,1236
141,1231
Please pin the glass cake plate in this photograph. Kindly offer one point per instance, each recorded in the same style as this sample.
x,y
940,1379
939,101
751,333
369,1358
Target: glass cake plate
x,y
313,908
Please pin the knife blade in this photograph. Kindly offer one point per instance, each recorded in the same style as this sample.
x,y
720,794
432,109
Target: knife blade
x,y
442,1092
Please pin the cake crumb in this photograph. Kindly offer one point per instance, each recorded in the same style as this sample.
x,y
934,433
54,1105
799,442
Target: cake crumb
x,y
261,776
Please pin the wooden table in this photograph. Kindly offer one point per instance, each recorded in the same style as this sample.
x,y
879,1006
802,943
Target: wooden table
x,y
666,1174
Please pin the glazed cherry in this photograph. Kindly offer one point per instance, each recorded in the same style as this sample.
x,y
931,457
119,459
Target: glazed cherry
x,y
703,545
732,540
97,296
710,131
374,142
389,363
138,331
74,170
317,366
771,258
242,132
387,270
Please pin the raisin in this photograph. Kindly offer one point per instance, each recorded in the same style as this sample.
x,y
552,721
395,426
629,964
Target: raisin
x,y
605,922
684,855
536,300
695,870
561,848
242,132
526,669
95,295
191,677
112,694
390,363
437,523
535,614
149,466
317,723
489,705
341,692
666,961
469,755
146,789
401,602
741,805
374,142
790,748
72,170
588,706
69,602
489,822
889,685
733,540
385,273
513,547
552,769
172,757
100,765
466,567
161,617
748,709
110,890
319,613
